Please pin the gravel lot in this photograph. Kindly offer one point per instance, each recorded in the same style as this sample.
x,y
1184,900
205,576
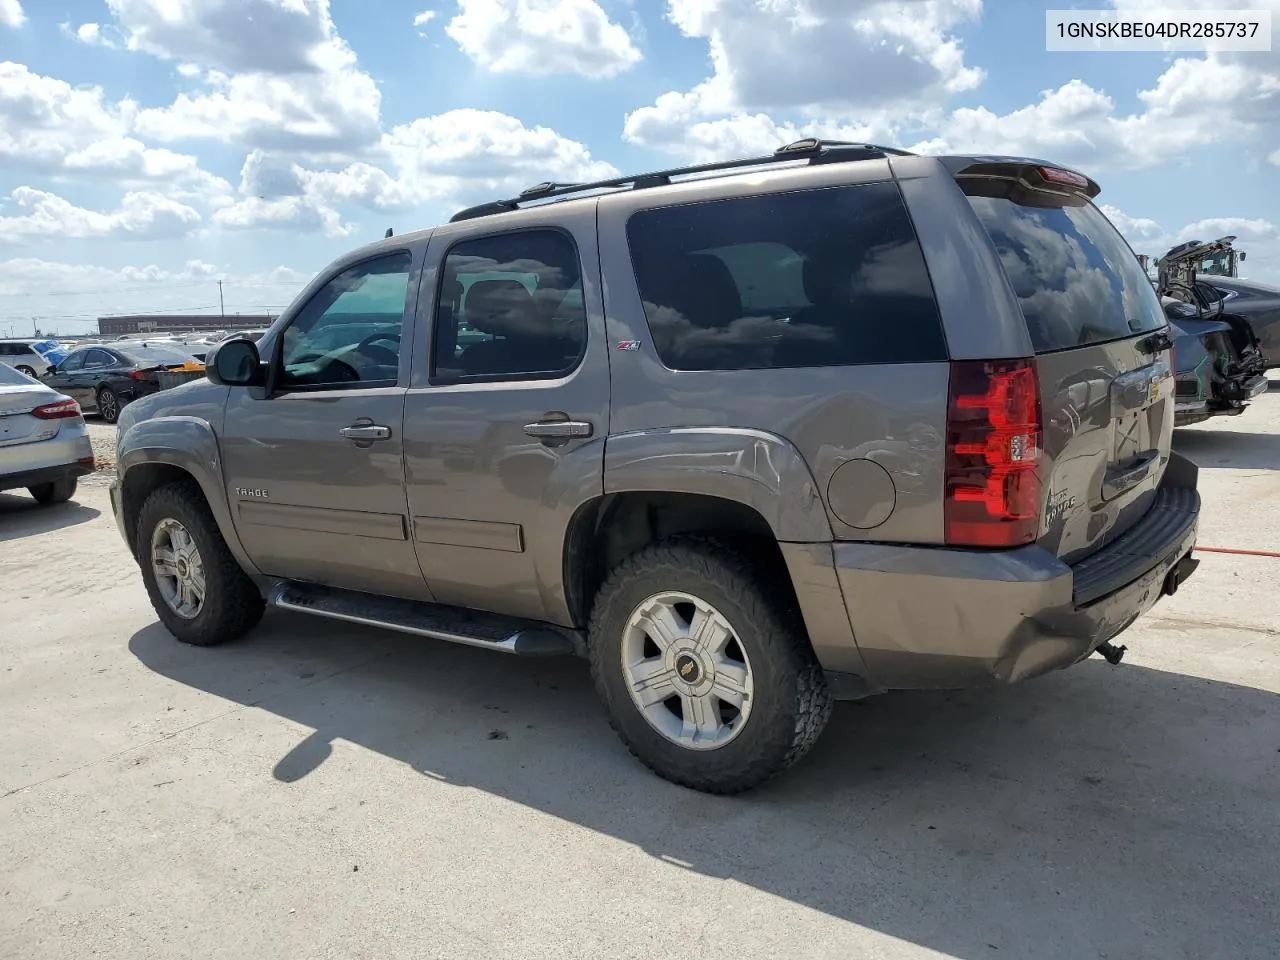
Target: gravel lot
x,y
326,791
103,437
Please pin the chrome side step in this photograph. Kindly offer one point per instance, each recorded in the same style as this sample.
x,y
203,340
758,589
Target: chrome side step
x,y
524,638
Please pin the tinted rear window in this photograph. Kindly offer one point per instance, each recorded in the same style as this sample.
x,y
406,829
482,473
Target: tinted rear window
x,y
814,278
1077,280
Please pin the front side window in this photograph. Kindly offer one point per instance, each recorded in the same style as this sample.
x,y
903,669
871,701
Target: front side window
x,y
348,334
814,278
510,306
73,362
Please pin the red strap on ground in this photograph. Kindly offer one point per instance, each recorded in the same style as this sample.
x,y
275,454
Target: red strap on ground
x,y
1243,553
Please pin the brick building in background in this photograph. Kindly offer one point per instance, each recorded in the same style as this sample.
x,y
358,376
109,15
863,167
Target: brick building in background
x,y
180,322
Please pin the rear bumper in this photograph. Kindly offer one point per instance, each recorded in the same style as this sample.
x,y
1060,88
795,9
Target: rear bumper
x,y
938,618
33,478
68,453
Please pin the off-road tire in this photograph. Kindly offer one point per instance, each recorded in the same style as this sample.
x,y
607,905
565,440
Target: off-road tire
x,y
232,605
791,704
55,491
114,408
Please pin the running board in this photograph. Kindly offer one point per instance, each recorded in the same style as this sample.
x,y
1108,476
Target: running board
x,y
525,638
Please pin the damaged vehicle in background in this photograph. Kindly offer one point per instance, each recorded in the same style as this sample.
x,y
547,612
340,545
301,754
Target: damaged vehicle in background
x,y
102,379
1219,363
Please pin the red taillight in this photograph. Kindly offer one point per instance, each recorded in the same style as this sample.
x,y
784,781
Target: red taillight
x,y
140,375
58,410
994,435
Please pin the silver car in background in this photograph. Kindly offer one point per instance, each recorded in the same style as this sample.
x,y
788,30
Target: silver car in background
x,y
44,444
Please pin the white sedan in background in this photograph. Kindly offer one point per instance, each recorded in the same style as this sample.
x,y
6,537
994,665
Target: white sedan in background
x,y
44,444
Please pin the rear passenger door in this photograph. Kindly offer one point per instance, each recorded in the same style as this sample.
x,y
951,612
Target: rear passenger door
x,y
507,413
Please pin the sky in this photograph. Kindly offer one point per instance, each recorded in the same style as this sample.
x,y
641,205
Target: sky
x,y
158,154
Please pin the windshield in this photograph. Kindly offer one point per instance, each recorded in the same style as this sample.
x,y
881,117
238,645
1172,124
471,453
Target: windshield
x,y
155,353
1077,280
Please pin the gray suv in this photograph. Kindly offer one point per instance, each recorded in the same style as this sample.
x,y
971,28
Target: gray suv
x,y
751,437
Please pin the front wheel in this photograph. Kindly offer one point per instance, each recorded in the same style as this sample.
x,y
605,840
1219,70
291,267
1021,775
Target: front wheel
x,y
196,587
707,680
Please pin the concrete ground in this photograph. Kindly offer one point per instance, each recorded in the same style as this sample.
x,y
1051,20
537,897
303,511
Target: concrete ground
x,y
325,791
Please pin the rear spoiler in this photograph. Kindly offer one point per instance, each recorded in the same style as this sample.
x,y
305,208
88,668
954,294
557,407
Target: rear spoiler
x,y
1034,174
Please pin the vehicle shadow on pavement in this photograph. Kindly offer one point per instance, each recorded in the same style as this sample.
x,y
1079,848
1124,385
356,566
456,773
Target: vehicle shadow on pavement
x,y
20,516
1229,448
1104,811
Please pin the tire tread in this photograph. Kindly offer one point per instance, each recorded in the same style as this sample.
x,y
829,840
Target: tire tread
x,y
743,581
237,604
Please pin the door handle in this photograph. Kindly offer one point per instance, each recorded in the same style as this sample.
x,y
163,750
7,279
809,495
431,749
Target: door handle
x,y
365,431
558,429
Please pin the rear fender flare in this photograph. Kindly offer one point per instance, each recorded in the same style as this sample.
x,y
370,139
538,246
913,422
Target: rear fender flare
x,y
753,467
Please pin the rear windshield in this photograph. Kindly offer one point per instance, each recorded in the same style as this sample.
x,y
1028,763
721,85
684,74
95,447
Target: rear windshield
x,y
1078,281
155,353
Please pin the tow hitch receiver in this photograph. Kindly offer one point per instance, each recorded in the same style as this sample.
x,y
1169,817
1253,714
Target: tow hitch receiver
x,y
1180,572
1111,653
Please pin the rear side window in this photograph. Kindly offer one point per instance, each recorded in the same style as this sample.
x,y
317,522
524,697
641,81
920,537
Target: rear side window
x,y
814,278
510,308
1079,283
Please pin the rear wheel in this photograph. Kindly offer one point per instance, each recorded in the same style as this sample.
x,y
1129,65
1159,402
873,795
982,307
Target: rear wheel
x,y
29,371
108,405
56,491
196,587
707,680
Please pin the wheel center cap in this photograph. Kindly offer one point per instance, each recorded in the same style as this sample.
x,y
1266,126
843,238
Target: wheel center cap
x,y
688,668
182,567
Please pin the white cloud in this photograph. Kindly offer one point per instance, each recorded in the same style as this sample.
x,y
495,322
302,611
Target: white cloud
x,y
90,34
1275,158
11,14
1257,237
455,158
295,214
1244,228
816,64
269,73
542,37
142,216
425,17
49,127
269,36
674,125
1133,228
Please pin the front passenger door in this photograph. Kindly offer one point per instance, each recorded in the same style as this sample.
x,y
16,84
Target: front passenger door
x,y
314,469
66,379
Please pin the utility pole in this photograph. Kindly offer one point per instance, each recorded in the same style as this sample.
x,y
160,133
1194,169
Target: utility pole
x,y
221,307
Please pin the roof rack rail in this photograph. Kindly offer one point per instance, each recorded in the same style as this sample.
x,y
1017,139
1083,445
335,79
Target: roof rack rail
x,y
812,149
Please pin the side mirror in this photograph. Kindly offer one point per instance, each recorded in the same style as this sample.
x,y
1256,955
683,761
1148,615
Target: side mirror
x,y
236,363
